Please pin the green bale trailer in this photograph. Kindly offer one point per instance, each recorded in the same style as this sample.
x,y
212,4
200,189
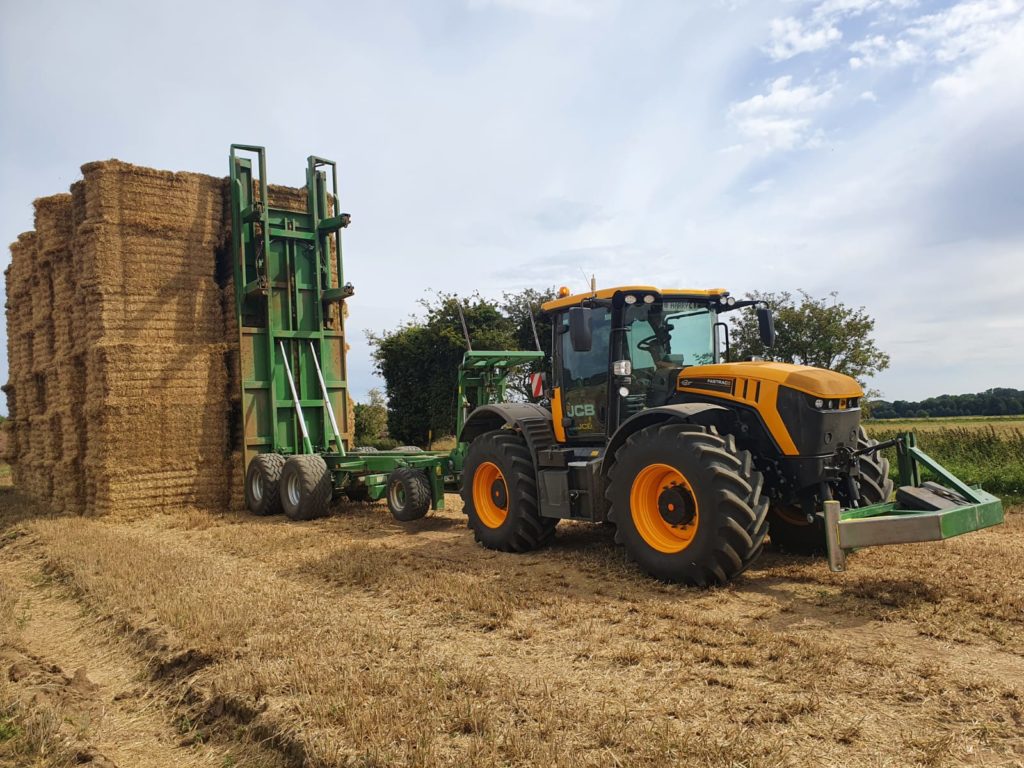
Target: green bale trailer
x,y
289,293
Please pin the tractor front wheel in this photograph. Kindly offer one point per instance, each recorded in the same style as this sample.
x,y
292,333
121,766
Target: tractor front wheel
x,y
499,494
687,504
306,487
792,532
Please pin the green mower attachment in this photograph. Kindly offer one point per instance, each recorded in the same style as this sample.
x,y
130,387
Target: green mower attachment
x,y
926,511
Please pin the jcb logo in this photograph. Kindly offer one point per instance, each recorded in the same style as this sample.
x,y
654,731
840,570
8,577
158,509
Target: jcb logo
x,y
584,409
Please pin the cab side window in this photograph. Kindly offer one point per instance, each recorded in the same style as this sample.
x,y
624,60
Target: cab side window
x,y
584,377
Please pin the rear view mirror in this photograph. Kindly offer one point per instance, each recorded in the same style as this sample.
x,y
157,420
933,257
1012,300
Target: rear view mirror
x,y
766,326
580,334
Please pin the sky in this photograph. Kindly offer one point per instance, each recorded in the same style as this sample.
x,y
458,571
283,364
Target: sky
x,y
873,148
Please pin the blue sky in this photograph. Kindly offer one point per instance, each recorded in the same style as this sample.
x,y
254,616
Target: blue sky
x,y
869,147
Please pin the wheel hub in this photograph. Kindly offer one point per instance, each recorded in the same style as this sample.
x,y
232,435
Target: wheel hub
x,y
499,494
676,505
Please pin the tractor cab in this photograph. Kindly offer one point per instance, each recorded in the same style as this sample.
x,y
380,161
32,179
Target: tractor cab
x,y
619,351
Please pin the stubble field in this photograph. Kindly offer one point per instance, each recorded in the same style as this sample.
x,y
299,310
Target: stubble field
x,y
226,640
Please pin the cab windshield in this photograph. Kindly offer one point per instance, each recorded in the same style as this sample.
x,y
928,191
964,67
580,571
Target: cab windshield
x,y
668,334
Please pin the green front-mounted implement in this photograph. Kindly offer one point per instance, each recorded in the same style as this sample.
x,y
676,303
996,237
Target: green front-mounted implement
x,y
922,511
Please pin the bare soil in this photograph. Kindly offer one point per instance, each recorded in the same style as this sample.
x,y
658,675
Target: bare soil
x,y
356,640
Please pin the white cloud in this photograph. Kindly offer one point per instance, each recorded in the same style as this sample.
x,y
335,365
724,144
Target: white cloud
x,y
967,28
830,9
881,51
960,32
790,38
868,96
780,118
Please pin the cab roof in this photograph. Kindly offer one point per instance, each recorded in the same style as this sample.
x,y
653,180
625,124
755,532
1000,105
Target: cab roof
x,y
608,293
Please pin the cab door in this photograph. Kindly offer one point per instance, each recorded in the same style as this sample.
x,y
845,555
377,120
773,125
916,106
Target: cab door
x,y
582,378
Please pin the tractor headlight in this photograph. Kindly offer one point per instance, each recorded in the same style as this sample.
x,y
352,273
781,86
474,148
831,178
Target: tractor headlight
x,y
649,298
731,301
630,298
819,403
622,368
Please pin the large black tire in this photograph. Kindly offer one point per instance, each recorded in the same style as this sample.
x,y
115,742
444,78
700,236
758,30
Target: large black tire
x,y
408,494
792,532
687,504
499,494
875,485
262,478
306,487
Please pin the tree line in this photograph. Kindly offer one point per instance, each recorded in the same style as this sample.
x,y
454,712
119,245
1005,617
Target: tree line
x,y
1000,401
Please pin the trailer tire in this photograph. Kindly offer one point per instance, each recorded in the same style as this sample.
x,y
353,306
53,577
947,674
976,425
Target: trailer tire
x,y
262,478
499,494
790,532
306,487
408,494
687,504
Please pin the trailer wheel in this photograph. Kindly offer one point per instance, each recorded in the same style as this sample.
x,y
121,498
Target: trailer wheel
x,y
499,494
261,484
408,494
792,532
306,487
687,504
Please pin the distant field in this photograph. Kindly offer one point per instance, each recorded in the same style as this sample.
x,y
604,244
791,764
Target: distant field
x,y
986,451
998,423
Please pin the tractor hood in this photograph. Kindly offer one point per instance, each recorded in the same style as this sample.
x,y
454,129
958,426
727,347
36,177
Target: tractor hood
x,y
724,378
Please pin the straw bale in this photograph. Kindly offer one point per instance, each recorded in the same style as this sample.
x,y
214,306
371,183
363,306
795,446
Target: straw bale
x,y
53,223
155,374
164,201
23,252
139,259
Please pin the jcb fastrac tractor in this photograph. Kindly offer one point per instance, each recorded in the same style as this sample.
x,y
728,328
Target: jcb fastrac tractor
x,y
696,461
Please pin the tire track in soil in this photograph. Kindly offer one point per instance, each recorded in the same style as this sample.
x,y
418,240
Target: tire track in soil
x,y
70,661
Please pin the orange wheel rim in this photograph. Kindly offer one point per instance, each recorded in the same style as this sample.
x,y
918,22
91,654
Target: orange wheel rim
x,y
490,495
663,508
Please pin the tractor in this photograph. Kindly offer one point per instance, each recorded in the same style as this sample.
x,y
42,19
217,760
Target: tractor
x,y
696,461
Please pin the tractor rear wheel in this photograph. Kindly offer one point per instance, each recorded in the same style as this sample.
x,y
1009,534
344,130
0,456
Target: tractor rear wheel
x,y
792,532
499,494
408,494
687,504
306,487
261,484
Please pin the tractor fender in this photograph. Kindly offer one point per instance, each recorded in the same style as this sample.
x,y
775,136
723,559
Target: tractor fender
x,y
706,414
533,420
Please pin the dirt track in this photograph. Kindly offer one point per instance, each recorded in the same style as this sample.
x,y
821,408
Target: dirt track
x,y
354,640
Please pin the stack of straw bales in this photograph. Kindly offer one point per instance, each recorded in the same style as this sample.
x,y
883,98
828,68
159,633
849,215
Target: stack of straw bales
x,y
122,344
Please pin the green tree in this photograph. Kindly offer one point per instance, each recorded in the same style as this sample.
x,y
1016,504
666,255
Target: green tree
x,y
824,333
517,307
419,362
372,419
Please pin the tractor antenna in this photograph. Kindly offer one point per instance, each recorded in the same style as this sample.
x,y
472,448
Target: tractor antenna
x,y
465,330
533,325
593,284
